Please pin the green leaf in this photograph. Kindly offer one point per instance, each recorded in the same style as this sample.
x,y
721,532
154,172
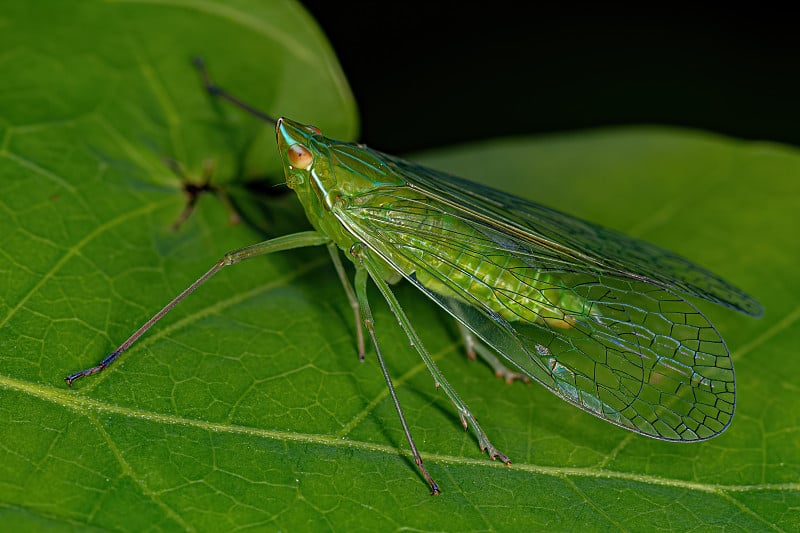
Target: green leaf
x,y
246,407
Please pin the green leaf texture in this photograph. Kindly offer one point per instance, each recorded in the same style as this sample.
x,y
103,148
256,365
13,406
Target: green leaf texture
x,y
247,407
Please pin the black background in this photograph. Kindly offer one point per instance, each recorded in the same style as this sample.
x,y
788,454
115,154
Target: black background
x,y
431,74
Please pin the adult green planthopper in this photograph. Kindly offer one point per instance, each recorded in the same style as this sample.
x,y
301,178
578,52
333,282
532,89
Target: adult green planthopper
x,y
593,315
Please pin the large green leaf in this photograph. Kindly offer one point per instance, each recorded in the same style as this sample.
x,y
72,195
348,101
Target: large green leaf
x,y
247,407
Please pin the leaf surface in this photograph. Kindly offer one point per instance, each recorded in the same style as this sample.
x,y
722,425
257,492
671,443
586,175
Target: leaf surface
x,y
247,407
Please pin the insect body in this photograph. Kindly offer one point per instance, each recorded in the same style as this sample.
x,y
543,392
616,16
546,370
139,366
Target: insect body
x,y
593,315
605,333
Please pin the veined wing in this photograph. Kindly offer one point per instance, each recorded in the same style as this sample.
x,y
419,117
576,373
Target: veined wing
x,y
578,244
629,350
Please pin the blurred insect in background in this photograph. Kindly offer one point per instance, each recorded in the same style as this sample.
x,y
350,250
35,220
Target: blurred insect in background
x,y
595,316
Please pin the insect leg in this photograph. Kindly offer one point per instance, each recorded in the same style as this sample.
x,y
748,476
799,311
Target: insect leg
x,y
286,242
369,322
348,289
467,418
475,347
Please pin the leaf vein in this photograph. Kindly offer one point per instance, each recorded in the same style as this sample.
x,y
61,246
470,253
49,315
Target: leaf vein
x,y
84,405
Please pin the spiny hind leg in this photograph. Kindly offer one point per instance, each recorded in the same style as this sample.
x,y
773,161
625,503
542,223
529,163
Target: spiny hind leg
x,y
475,347
464,414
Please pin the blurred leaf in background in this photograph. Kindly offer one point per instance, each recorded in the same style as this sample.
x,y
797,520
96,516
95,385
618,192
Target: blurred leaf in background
x,y
247,407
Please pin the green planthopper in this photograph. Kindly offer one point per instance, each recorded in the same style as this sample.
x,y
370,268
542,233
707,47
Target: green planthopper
x,y
597,317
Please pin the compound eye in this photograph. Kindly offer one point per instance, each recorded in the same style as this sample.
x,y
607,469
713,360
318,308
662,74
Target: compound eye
x,y
299,156
313,129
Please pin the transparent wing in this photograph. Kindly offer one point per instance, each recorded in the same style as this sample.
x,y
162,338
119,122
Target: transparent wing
x,y
634,353
574,243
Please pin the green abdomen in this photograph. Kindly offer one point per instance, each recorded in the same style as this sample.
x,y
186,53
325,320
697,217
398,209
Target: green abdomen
x,y
459,259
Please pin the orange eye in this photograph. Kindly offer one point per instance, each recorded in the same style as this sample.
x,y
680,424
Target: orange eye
x,y
313,129
299,156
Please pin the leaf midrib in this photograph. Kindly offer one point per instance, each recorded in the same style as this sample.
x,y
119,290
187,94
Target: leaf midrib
x,y
85,406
